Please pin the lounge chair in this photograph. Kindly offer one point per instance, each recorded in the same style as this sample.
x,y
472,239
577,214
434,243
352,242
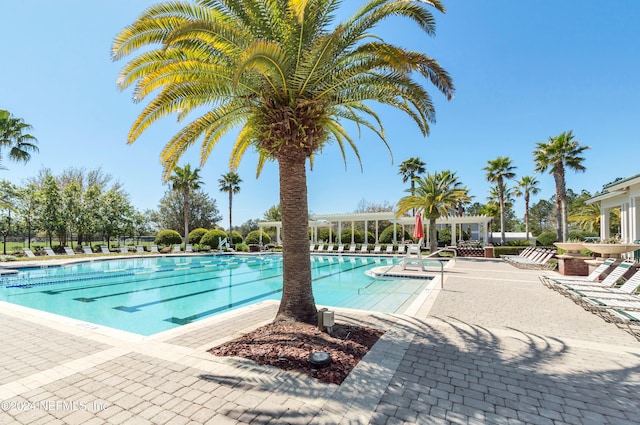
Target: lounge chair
x,y
312,247
188,248
377,249
340,248
87,250
594,276
523,254
389,249
69,251
154,248
539,261
29,253
105,249
49,252
330,248
176,248
352,247
624,292
320,248
401,249
608,282
139,249
364,248
124,249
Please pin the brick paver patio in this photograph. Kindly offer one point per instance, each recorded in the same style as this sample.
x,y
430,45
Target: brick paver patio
x,y
493,347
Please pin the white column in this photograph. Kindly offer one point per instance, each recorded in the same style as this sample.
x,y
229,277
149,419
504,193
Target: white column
x,y
366,239
278,235
634,214
453,233
625,234
604,222
395,232
339,231
353,230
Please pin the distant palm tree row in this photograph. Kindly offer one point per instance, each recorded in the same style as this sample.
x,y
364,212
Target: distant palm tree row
x,y
442,192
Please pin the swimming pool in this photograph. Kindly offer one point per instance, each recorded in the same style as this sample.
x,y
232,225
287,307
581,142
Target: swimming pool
x,y
152,294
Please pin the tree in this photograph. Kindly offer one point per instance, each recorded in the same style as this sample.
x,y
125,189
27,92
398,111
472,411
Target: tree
x,y
542,216
230,183
50,214
436,195
558,154
8,194
29,202
116,214
499,170
185,181
526,186
409,169
288,77
13,137
203,211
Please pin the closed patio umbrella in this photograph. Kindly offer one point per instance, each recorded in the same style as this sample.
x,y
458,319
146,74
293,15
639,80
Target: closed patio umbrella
x,y
418,230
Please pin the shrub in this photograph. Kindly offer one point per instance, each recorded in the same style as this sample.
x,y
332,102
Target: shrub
x,y
547,238
519,243
242,247
323,235
196,234
168,237
212,238
387,235
345,236
253,238
237,237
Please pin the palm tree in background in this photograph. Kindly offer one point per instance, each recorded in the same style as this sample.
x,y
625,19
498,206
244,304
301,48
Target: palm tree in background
x,y
525,187
230,183
410,169
435,195
287,77
499,170
558,154
185,181
13,137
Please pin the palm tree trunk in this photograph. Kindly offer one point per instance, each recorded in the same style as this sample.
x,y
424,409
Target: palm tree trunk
x,y
433,236
503,241
186,219
526,215
230,211
297,297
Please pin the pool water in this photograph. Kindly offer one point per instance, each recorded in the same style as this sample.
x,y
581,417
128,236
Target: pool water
x,y
149,295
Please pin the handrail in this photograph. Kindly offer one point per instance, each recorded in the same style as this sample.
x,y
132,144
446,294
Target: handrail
x,y
376,278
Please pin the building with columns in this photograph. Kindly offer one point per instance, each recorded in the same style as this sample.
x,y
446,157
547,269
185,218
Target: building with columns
x,y
625,195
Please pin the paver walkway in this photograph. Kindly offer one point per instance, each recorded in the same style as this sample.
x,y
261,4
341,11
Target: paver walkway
x,y
493,347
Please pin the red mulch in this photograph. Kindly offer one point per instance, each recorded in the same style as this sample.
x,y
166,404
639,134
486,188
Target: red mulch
x,y
287,345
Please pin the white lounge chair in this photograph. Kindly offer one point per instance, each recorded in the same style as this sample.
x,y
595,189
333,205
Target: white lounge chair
x,y
139,249
105,249
49,252
330,248
87,250
377,249
188,248
364,248
352,248
389,249
29,253
340,248
608,282
176,248
69,251
154,248
320,248
401,249
594,276
124,249
312,247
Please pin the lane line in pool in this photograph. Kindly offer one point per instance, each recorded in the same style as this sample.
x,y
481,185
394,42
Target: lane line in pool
x,y
135,308
192,318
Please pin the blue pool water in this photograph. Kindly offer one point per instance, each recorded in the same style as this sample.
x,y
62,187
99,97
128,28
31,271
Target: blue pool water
x,y
149,295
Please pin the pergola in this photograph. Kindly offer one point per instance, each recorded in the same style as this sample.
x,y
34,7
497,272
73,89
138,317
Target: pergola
x,y
340,221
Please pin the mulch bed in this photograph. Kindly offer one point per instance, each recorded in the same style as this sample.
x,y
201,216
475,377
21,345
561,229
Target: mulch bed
x,y
287,345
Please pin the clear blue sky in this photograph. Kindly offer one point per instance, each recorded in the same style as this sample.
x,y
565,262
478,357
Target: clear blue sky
x,y
524,71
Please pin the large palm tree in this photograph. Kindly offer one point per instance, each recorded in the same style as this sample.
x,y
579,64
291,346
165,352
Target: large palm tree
x,y
13,137
499,170
558,154
287,77
525,187
185,181
435,195
230,183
